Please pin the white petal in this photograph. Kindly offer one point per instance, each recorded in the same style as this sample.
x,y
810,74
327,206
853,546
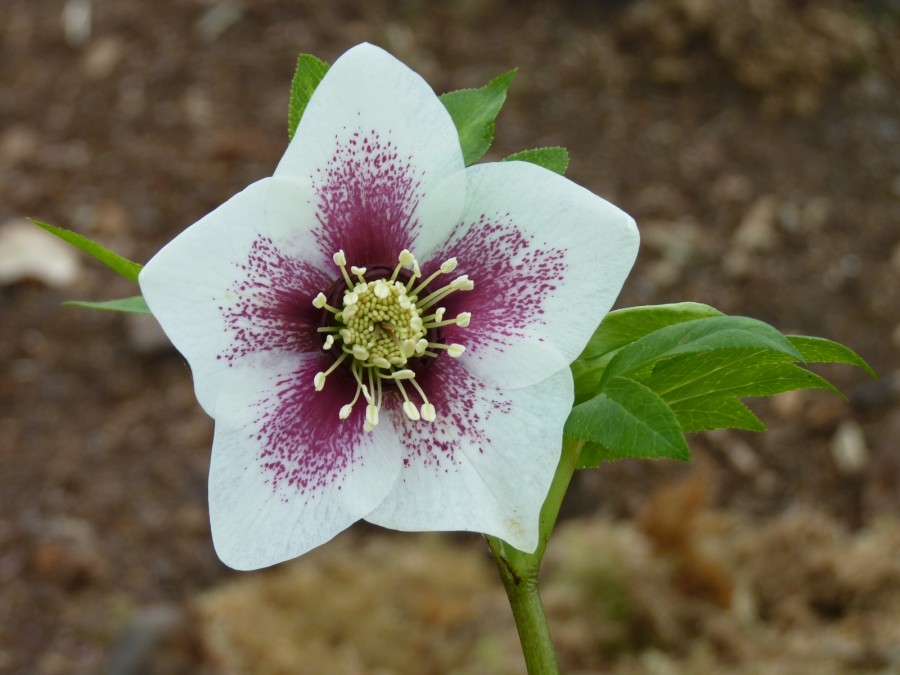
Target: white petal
x,y
184,283
222,290
287,474
485,464
548,259
379,152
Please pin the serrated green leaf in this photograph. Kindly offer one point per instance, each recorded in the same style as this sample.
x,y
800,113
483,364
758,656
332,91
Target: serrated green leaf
x,y
555,159
135,305
473,112
114,261
626,420
701,335
622,327
309,72
820,350
727,372
715,412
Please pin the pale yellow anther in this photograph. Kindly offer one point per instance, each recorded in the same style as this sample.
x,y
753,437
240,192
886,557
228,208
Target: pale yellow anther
x,y
329,342
448,266
428,412
372,415
339,258
381,362
454,351
350,299
421,346
462,283
406,258
357,271
411,411
360,352
404,374
408,348
319,381
463,319
319,301
381,290
345,411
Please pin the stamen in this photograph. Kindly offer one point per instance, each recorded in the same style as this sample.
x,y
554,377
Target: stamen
x,y
341,261
382,324
411,411
321,302
445,268
461,283
319,379
405,258
454,351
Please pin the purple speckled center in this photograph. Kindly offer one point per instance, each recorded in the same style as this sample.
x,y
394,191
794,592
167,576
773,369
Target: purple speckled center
x,y
367,197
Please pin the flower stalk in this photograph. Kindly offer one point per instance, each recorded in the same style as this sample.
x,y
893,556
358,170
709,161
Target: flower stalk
x,y
519,571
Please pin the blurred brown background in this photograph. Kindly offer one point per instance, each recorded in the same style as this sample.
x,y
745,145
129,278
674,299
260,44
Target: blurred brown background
x,y
757,142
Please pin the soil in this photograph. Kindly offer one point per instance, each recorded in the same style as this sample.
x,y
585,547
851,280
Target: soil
x,y
756,142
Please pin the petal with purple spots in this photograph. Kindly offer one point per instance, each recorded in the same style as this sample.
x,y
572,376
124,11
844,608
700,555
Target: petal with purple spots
x,y
286,474
485,464
548,259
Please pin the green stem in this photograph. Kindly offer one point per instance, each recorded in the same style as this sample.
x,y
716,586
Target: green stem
x,y
519,571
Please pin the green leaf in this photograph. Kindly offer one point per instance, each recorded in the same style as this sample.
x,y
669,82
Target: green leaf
x,y
556,159
134,304
626,420
473,112
309,72
715,412
622,327
736,372
114,261
717,332
820,350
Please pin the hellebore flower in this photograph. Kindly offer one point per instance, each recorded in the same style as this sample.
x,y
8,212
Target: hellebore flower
x,y
381,333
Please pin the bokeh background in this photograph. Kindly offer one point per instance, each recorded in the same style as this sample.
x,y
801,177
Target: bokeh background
x,y
757,142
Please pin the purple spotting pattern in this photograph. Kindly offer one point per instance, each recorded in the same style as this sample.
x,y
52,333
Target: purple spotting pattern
x,y
367,198
513,275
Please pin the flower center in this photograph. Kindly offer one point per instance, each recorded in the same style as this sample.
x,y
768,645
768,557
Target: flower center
x,y
378,322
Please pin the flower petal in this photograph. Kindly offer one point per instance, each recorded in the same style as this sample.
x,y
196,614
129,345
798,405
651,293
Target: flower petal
x,y
286,473
221,290
373,147
485,464
548,259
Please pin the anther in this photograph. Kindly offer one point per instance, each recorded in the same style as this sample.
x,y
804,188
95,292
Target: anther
x,y
411,411
454,351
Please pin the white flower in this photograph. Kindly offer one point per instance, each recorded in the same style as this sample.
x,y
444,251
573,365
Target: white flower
x,y
381,333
